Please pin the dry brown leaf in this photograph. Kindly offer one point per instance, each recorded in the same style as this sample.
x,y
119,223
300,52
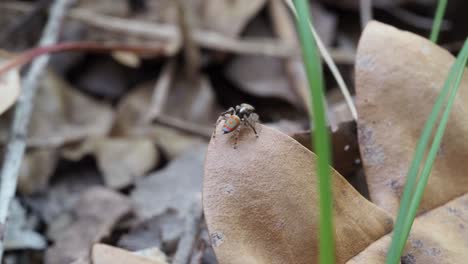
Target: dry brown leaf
x,y
261,205
176,187
62,114
225,16
131,121
229,17
261,75
398,77
9,89
162,231
123,160
36,169
54,205
439,236
91,225
194,103
104,254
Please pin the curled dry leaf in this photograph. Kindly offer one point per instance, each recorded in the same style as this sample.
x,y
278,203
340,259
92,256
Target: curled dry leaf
x,y
261,75
176,187
398,77
91,224
261,202
161,231
58,115
121,160
104,254
229,17
131,121
9,89
439,236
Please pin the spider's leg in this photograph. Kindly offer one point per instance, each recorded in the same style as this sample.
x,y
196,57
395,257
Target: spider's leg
x,y
230,111
251,126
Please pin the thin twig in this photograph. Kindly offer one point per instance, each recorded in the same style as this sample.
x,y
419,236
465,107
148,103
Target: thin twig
x,y
168,32
17,143
161,91
365,12
191,49
187,242
27,56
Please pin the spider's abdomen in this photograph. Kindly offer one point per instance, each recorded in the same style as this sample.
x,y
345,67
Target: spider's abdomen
x,y
231,124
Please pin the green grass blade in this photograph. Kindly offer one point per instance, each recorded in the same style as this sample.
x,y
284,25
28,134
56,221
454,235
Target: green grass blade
x,y
320,132
398,241
441,6
433,151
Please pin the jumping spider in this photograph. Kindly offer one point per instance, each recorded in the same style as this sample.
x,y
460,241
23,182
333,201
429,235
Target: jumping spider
x,y
234,118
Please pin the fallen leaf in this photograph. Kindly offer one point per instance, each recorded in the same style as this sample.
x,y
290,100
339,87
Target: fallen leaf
x,y
153,253
123,160
20,235
9,89
398,77
58,115
229,17
194,103
104,254
64,191
175,187
162,231
90,226
394,98
261,75
36,169
131,122
438,236
325,23
261,204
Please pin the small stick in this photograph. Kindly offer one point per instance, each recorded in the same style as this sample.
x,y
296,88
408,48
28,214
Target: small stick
x,y
17,142
187,242
191,49
25,57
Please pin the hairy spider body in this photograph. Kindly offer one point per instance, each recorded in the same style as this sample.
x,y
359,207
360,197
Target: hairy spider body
x,y
234,118
231,124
